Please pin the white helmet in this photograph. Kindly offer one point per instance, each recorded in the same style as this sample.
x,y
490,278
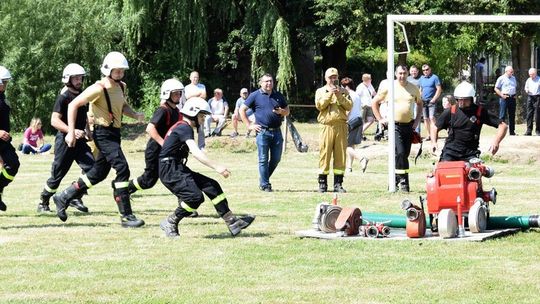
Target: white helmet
x,y
194,106
168,86
113,60
4,73
464,90
72,69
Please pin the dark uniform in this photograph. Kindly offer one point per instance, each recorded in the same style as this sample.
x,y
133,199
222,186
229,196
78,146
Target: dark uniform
x,y
106,108
11,163
187,185
464,127
64,155
163,119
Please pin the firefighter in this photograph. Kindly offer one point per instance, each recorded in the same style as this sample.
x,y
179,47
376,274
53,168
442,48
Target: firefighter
x,y
107,104
406,99
188,185
164,117
333,102
72,77
464,123
10,165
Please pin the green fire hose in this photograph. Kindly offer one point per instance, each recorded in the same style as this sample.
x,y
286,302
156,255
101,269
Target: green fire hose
x,y
494,222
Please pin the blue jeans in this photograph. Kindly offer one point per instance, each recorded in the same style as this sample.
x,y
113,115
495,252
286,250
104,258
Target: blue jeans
x,y
269,146
508,105
27,149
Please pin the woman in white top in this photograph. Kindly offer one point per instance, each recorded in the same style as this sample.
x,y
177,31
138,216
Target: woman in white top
x,y
366,91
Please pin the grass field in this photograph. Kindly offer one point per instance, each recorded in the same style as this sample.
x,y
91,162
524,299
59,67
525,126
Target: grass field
x,y
91,259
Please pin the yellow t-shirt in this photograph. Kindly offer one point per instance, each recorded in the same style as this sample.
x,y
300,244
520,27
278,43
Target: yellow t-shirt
x,y
99,110
406,98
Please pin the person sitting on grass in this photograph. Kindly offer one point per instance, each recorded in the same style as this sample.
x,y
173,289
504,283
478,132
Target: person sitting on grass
x,y
187,185
33,139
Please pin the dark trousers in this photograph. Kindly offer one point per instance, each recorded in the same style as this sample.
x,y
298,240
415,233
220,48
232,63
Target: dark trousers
x,y
508,105
11,164
110,155
404,132
533,113
150,175
64,157
189,186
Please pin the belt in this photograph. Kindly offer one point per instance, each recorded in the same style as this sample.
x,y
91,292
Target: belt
x,y
404,123
511,96
170,159
269,129
106,128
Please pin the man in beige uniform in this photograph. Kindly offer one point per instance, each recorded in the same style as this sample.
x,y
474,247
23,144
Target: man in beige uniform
x,y
107,104
333,102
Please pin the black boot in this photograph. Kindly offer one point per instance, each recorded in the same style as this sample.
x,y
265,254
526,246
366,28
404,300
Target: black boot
x,y
124,206
44,198
338,184
62,199
235,224
131,187
323,183
170,226
3,206
77,202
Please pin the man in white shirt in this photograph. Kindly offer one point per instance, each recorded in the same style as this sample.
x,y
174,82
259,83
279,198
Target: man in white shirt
x,y
505,87
532,87
220,111
366,91
196,89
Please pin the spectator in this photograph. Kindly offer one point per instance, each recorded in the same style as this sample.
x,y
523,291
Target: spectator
x,y
33,139
220,111
532,87
480,78
414,78
505,87
431,89
448,101
366,91
236,115
269,107
333,102
196,89
355,123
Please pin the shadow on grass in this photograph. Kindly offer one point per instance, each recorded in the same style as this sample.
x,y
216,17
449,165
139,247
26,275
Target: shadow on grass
x,y
56,225
241,235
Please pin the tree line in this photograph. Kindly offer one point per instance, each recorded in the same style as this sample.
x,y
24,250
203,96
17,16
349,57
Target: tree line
x,y
232,42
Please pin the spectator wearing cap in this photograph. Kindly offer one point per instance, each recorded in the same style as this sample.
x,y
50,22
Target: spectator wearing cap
x,y
236,115
333,102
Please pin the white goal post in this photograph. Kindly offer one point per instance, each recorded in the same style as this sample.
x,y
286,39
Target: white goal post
x,y
391,20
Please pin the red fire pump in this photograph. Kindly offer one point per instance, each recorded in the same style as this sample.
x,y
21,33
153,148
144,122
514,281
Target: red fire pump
x,y
455,189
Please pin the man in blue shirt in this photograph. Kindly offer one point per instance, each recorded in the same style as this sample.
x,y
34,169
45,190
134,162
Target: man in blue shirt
x,y
269,107
505,87
431,89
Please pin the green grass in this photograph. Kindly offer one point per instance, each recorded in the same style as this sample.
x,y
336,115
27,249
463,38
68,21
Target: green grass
x,y
91,259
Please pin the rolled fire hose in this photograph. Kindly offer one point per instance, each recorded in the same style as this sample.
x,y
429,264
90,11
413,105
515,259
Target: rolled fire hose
x,y
329,217
494,222
349,220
